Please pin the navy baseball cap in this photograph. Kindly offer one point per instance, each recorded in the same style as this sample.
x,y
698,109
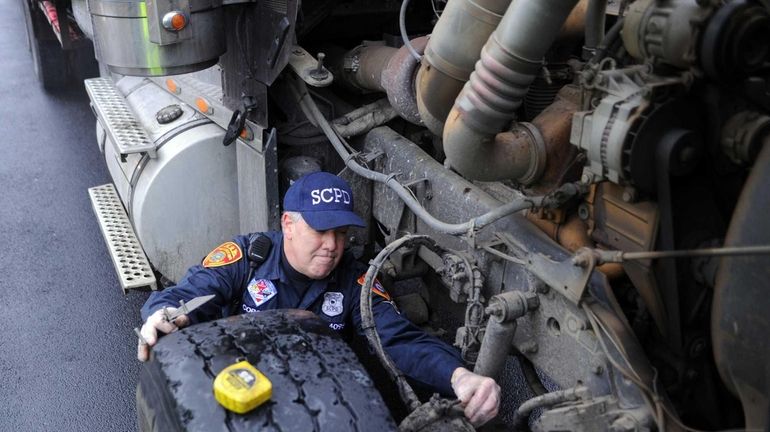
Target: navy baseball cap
x,y
324,200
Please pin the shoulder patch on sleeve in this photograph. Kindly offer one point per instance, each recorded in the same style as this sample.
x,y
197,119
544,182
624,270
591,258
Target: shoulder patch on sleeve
x,y
377,287
226,253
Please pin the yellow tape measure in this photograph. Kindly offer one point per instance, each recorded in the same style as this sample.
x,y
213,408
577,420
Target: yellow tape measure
x,y
241,387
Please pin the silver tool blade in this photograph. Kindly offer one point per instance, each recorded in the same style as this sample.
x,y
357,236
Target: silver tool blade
x,y
187,307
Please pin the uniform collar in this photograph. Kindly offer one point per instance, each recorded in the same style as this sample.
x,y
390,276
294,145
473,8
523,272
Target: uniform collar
x,y
271,269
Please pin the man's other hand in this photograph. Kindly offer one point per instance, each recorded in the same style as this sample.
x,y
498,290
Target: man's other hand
x,y
157,323
479,395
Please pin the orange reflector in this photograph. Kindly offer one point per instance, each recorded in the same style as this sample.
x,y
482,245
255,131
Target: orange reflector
x,y
178,21
171,86
246,134
174,21
203,105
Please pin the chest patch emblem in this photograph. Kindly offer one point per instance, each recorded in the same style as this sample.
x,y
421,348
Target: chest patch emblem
x,y
332,303
261,290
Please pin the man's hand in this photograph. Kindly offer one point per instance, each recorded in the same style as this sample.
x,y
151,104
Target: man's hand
x,y
479,395
155,323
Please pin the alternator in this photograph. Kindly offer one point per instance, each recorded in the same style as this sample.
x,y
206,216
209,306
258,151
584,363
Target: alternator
x,y
625,123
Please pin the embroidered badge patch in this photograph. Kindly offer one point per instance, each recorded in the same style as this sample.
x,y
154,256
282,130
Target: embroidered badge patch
x,y
226,253
332,303
377,287
261,290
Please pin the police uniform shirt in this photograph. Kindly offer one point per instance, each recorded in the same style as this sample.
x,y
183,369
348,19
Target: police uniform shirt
x,y
335,299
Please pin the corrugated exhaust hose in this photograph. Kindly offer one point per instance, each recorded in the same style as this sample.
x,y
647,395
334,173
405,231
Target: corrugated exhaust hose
x,y
510,61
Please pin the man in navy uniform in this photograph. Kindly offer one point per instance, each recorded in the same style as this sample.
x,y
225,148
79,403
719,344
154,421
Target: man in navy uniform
x,y
307,268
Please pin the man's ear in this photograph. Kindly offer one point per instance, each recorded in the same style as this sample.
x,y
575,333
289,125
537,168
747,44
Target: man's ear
x,y
287,225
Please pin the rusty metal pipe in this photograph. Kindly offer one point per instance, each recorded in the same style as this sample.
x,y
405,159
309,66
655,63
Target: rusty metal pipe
x,y
454,47
530,151
575,24
447,65
389,70
555,125
510,60
367,64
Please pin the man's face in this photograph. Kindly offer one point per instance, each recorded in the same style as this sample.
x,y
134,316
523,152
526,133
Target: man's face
x,y
312,253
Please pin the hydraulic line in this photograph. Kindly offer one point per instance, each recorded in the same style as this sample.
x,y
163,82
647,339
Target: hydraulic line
x,y
553,199
548,399
607,41
404,34
367,317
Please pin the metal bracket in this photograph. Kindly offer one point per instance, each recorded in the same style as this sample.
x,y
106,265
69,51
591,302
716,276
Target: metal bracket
x,y
565,277
309,69
569,277
191,91
372,156
415,182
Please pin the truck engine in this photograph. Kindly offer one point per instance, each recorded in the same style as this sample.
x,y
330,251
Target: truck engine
x,y
573,192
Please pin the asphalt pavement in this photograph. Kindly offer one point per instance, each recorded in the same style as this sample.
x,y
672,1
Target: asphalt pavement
x,y
67,351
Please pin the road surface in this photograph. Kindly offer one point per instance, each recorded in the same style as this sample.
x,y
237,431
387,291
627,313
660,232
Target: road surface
x,y
67,351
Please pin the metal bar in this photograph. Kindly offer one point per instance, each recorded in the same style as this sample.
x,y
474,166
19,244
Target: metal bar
x,y
723,251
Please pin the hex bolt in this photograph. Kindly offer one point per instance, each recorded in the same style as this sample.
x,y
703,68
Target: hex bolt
x,y
583,212
629,195
532,300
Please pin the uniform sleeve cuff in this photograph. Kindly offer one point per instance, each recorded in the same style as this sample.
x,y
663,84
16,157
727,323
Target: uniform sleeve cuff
x,y
444,374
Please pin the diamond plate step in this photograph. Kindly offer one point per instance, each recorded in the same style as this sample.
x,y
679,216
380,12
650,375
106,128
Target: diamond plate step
x,y
129,259
122,127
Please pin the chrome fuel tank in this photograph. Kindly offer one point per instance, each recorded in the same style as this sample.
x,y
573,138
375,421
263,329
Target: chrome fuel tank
x,y
183,201
130,37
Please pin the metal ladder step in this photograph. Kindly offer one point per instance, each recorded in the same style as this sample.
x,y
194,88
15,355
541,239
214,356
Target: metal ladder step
x,y
112,112
130,262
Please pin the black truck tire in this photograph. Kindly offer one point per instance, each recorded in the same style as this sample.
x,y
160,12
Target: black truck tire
x,y
48,57
50,64
318,383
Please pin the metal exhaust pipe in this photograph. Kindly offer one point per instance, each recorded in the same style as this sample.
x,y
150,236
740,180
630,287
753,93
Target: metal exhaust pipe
x,y
385,69
510,61
453,49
